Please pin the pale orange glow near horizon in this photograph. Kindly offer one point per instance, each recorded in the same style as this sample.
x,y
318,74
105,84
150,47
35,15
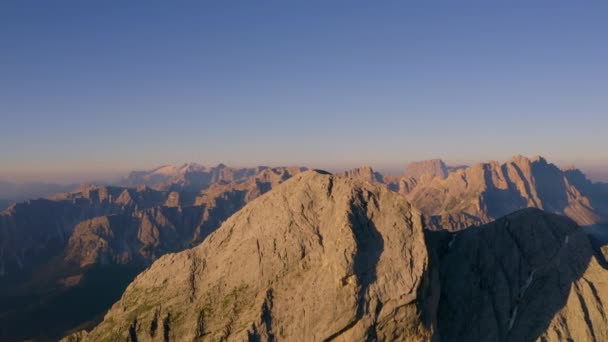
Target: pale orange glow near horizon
x,y
107,172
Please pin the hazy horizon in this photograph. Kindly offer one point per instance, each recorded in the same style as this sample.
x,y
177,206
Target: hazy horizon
x,y
59,176
92,91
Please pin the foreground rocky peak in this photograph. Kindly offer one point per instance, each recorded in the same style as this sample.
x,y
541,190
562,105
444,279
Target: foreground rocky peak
x,y
320,256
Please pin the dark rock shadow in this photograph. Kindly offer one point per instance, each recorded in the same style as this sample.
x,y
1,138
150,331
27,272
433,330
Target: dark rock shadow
x,y
370,246
598,235
550,186
500,202
506,280
49,316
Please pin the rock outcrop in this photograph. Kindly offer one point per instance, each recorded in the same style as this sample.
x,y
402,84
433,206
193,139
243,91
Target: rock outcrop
x,y
319,258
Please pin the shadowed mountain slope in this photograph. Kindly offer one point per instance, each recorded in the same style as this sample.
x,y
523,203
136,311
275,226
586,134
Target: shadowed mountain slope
x,y
32,231
527,276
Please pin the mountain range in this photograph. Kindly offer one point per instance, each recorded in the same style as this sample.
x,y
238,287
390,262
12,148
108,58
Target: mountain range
x,y
52,248
18,192
458,197
306,253
337,258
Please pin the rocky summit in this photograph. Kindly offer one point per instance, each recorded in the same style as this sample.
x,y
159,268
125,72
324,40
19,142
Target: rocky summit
x,y
330,258
320,258
427,169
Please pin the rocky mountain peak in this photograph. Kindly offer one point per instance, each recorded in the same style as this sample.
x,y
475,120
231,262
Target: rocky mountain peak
x,y
320,256
365,172
521,159
486,191
427,168
539,159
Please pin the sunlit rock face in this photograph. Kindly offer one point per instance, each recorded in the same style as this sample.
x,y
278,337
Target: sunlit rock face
x,y
484,192
319,258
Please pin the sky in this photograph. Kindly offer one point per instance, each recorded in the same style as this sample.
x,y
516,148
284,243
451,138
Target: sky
x,y
93,89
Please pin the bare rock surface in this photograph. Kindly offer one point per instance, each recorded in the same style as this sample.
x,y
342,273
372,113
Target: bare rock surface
x,y
319,258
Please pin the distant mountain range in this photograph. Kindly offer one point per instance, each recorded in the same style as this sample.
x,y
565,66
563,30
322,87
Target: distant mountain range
x,y
53,248
82,248
191,177
5,203
458,197
17,192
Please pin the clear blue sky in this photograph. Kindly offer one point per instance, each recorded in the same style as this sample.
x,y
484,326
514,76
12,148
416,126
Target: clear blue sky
x,y
96,87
